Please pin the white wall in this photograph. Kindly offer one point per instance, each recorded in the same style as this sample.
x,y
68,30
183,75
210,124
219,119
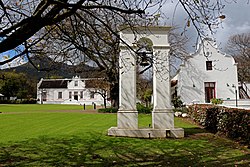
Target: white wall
x,y
193,74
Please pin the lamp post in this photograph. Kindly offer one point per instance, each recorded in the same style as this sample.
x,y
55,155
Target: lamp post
x,y
235,90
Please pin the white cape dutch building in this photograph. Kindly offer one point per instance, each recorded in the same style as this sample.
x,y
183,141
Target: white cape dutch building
x,y
68,91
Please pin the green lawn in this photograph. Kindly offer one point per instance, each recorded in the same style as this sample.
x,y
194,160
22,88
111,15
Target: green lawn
x,y
65,135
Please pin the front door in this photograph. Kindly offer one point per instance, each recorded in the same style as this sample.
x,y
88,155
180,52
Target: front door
x,y
76,96
209,91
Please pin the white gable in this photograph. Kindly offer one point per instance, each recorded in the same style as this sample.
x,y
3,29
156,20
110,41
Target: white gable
x,y
76,83
194,73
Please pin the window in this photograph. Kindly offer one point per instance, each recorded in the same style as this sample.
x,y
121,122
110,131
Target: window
x,y
76,83
44,96
209,91
81,94
92,95
59,95
209,65
70,95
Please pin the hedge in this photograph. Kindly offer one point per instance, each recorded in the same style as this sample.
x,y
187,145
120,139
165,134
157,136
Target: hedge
x,y
107,110
143,109
232,122
140,108
25,101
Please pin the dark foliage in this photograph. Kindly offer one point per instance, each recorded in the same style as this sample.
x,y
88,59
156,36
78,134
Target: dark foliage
x,y
108,110
143,109
212,118
140,108
25,101
232,122
177,102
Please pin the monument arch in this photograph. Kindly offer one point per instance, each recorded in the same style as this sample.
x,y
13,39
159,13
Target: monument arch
x,y
152,40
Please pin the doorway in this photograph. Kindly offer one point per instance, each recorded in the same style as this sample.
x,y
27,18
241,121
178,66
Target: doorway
x,y
209,91
76,96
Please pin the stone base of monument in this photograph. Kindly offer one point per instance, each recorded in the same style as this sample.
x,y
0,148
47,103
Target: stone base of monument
x,y
147,133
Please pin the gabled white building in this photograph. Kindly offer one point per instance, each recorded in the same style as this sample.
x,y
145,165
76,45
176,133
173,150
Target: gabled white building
x,y
208,74
68,91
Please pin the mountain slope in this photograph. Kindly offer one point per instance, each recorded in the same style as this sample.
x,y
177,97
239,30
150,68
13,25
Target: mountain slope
x,y
46,68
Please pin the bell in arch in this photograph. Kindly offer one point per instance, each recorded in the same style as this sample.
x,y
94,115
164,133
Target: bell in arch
x,y
145,51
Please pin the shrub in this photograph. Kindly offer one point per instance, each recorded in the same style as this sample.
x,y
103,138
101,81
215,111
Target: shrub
x,y
216,101
28,101
143,109
211,119
234,123
108,110
25,101
177,102
183,110
198,113
140,108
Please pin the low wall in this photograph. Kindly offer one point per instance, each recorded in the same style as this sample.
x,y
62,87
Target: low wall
x,y
241,103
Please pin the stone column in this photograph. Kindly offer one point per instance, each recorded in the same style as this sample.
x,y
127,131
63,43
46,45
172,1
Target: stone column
x,y
162,115
127,116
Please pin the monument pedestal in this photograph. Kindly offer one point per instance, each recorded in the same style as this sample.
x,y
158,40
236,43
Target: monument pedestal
x,y
163,125
163,119
127,119
147,133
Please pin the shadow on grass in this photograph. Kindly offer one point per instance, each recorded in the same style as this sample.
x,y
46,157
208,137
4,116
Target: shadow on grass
x,y
194,130
101,150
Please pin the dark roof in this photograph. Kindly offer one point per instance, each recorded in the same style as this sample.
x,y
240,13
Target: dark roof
x,y
54,84
63,83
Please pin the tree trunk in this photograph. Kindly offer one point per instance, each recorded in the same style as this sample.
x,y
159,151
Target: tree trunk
x,y
114,95
104,102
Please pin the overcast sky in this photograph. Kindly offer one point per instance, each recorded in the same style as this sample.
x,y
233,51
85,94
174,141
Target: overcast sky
x,y
237,19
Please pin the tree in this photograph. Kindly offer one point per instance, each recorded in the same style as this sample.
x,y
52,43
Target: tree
x,y
239,46
17,85
23,21
101,87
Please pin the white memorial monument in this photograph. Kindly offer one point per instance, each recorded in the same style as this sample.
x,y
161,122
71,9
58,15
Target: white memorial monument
x,y
162,114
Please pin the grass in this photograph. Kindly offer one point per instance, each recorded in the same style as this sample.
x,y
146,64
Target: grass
x,y
33,135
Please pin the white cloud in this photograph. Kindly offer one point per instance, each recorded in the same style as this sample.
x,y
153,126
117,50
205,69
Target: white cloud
x,y
17,62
